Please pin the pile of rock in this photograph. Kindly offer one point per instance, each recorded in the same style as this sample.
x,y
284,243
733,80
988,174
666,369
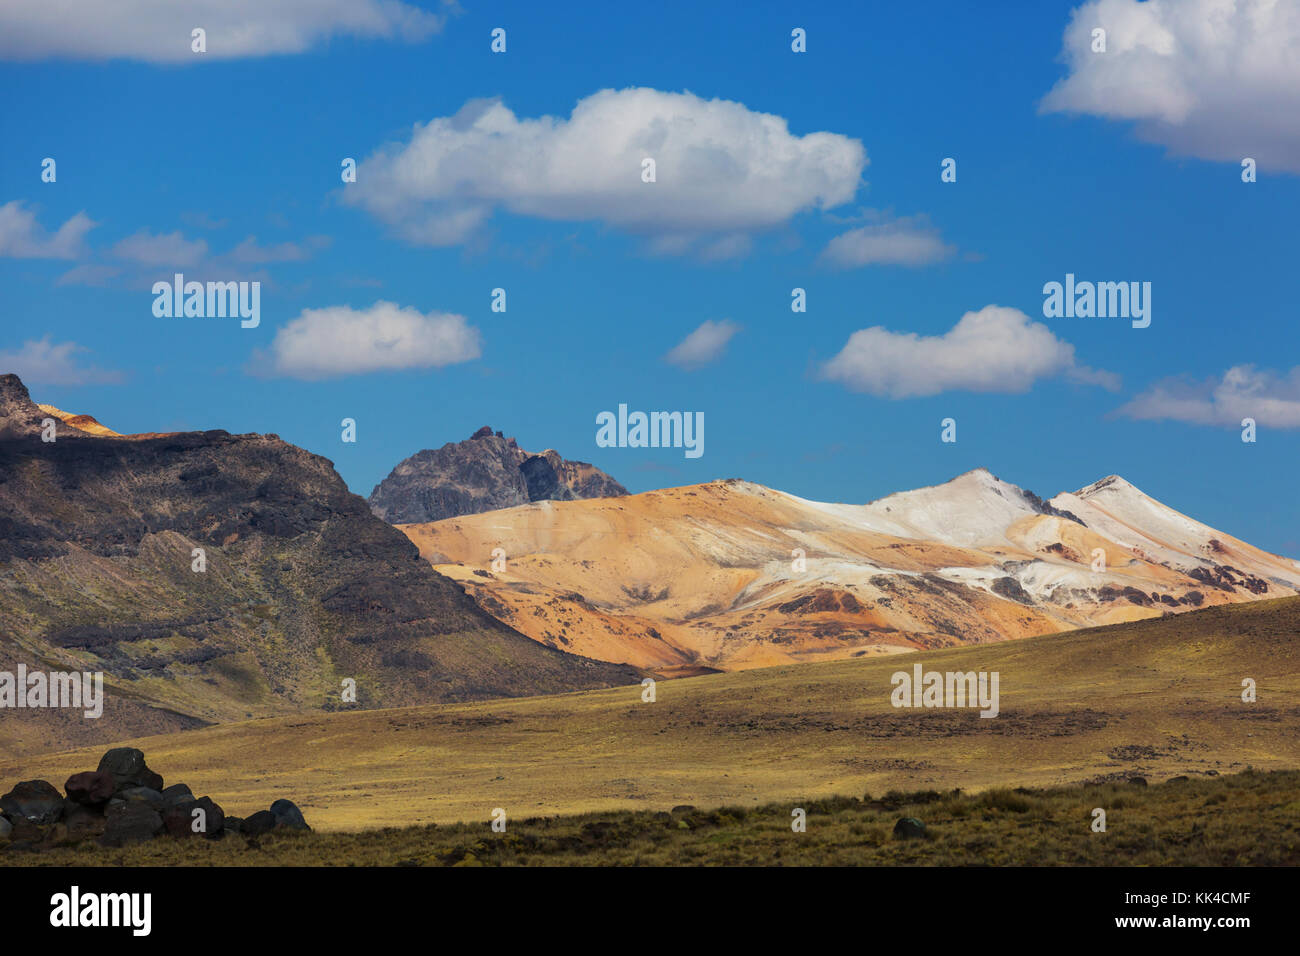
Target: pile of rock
x,y
122,802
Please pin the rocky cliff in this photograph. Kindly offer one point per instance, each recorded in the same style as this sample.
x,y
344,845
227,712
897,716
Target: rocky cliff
x,y
485,472
298,588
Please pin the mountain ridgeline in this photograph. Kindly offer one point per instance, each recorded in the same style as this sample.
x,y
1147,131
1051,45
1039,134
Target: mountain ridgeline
x,y
485,472
214,577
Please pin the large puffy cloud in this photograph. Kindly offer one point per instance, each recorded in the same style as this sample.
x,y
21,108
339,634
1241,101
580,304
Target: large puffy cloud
x,y
1216,79
22,237
1270,398
42,362
159,30
722,170
996,349
706,344
910,241
340,340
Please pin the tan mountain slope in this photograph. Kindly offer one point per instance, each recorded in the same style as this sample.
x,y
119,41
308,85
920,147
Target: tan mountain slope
x,y
730,575
85,423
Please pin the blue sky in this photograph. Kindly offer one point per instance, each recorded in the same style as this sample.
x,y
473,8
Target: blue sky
x,y
185,158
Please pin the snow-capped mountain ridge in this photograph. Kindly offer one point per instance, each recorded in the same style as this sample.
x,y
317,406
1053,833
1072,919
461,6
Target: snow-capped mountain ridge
x,y
733,574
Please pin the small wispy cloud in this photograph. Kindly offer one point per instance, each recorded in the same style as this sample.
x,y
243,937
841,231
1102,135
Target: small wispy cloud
x,y
158,31
706,344
22,237
249,252
171,250
136,259
909,241
201,220
43,362
90,274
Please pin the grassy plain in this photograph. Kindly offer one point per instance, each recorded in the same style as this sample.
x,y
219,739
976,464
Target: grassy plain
x,y
1153,698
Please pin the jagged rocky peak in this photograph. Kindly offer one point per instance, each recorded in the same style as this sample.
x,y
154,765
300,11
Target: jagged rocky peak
x,y
20,417
484,472
1111,483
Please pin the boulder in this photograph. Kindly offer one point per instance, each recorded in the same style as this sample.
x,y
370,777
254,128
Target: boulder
x,y
180,819
128,768
27,832
90,788
909,828
83,822
6,829
142,795
134,822
263,821
35,801
177,793
288,815
233,824
1138,781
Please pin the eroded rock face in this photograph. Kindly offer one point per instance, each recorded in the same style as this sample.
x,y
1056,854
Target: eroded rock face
x,y
485,472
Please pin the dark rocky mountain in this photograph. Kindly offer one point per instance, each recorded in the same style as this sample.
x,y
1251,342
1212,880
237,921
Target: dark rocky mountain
x,y
485,472
303,588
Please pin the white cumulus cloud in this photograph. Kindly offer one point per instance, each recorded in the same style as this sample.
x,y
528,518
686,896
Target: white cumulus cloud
x,y
22,237
158,31
721,170
996,349
706,344
1243,391
340,340
1215,79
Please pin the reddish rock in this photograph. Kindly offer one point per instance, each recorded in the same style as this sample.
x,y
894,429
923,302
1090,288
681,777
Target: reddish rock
x,y
90,788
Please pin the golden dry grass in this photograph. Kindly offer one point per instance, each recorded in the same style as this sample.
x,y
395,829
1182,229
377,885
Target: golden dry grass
x,y
1155,698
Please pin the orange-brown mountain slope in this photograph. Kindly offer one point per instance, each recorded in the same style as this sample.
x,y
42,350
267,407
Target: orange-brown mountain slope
x,y
731,575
